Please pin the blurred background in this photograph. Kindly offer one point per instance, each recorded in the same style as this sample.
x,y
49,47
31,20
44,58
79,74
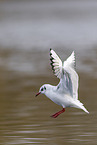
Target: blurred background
x,y
28,28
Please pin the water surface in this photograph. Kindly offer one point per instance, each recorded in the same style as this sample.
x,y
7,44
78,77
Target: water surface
x,y
25,119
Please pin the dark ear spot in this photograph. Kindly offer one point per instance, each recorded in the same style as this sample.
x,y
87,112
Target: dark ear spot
x,y
44,87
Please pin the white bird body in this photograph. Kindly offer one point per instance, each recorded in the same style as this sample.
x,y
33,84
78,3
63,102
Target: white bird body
x,y
65,93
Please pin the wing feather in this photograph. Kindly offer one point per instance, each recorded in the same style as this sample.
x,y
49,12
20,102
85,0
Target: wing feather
x,y
56,63
71,61
66,73
69,66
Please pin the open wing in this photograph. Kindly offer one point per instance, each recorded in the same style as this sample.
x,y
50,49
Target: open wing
x,y
69,66
56,63
66,73
71,61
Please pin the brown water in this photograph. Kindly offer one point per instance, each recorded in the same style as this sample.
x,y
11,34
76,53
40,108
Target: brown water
x,y
25,119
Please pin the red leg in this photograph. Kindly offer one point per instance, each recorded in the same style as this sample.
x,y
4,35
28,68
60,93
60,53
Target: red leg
x,y
58,113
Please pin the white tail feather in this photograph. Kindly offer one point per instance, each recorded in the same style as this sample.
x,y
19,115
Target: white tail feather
x,y
79,105
83,108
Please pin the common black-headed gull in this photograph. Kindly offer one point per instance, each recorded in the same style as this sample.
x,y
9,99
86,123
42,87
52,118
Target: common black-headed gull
x,y
65,93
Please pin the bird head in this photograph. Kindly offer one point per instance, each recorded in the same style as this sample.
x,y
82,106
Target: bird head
x,y
42,90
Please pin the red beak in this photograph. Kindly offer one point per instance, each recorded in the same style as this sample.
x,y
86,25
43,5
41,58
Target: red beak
x,y
38,94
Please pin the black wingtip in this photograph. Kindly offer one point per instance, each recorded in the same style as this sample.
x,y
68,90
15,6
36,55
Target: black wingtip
x,y
50,52
50,49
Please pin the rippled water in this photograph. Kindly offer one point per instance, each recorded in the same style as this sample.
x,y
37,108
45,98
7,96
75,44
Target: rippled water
x,y
25,119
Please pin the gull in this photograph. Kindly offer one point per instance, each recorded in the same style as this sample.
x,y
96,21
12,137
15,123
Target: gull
x,y
65,93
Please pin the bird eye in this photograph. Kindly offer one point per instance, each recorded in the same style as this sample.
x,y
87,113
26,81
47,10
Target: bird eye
x,y
41,89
